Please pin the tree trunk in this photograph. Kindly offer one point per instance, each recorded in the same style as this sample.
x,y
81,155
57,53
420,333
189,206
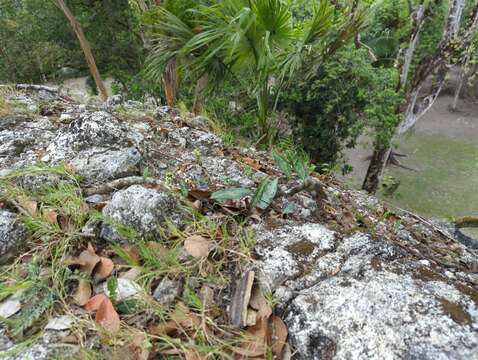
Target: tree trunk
x,y
416,109
85,47
375,169
170,82
459,86
199,94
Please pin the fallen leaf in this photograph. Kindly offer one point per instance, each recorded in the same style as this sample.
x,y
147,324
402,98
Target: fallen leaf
x,y
258,302
94,303
255,343
88,259
197,246
60,323
165,328
50,216
138,347
107,316
30,206
9,307
103,269
279,335
83,293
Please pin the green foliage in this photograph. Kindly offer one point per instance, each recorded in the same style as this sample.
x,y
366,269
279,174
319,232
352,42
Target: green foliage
x,y
332,107
252,40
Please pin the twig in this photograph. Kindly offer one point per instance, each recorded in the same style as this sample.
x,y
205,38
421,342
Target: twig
x,y
120,184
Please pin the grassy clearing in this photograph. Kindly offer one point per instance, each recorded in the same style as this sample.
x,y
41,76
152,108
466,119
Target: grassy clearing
x,y
447,178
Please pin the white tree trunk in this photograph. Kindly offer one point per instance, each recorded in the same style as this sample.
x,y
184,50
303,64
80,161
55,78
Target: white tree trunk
x,y
419,17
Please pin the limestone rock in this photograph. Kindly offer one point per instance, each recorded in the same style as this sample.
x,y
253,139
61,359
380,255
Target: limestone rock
x,y
12,235
144,210
90,129
106,165
358,298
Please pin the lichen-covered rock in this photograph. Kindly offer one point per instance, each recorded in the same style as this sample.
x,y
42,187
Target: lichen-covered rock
x,y
141,209
12,235
90,129
105,165
358,298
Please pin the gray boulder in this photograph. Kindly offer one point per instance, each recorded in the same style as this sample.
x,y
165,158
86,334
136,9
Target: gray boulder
x,y
12,235
90,129
358,298
141,209
107,165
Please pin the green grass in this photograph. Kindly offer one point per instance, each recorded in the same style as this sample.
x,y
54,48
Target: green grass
x,y
446,183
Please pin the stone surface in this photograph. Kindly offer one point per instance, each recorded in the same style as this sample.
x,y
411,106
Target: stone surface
x,y
144,210
12,235
99,129
106,165
358,298
166,291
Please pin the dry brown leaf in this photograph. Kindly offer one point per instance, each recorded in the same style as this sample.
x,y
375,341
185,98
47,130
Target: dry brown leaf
x,y
50,216
103,269
107,316
83,293
165,328
258,302
279,335
255,343
89,259
30,206
94,303
197,246
133,253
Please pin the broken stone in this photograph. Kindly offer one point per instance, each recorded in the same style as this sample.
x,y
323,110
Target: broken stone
x,y
166,291
144,210
12,235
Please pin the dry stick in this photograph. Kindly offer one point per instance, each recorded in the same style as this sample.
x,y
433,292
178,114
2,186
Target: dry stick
x,y
467,222
120,184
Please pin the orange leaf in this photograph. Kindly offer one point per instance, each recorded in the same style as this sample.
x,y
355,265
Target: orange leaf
x,y
104,268
82,293
107,316
279,336
94,303
255,343
197,246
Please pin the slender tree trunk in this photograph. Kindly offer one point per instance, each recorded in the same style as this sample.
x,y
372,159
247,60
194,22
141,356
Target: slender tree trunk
x,y
85,47
416,109
459,86
170,82
199,94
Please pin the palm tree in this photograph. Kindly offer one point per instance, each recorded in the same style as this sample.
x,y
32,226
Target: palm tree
x,y
251,39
